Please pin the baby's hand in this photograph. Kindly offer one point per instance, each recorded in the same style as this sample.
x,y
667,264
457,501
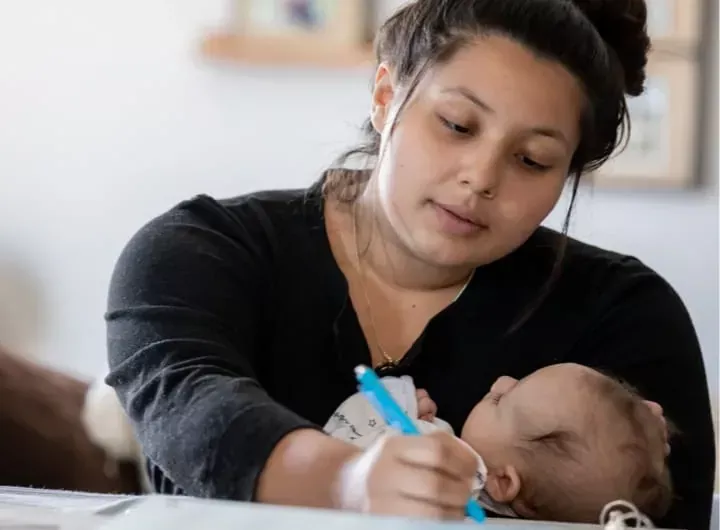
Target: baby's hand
x,y
426,406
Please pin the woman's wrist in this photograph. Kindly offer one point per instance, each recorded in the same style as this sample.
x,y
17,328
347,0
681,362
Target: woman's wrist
x,y
351,485
306,468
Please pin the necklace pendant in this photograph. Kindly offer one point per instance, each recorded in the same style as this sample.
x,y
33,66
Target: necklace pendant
x,y
386,367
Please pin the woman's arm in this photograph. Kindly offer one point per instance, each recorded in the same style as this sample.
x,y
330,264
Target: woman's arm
x,y
645,336
304,470
183,336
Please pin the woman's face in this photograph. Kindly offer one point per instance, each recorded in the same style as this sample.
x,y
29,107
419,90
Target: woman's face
x,y
480,153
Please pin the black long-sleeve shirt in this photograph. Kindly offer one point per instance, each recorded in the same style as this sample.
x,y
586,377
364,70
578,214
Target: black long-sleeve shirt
x,y
229,326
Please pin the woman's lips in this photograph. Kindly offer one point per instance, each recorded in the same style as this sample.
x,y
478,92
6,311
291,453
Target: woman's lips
x,y
457,220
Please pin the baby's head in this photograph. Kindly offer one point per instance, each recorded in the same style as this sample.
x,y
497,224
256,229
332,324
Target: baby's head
x,y
566,440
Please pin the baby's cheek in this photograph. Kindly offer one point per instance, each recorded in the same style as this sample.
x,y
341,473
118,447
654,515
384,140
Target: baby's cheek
x,y
477,424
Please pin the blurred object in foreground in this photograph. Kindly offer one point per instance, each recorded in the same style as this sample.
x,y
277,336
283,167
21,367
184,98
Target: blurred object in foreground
x,y
43,442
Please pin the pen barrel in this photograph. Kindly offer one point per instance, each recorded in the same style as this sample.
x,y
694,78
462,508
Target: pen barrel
x,y
379,397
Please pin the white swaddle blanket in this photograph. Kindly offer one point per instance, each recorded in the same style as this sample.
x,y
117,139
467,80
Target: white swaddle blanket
x,y
356,421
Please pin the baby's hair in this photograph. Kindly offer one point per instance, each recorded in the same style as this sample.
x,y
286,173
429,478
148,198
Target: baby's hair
x,y
651,487
556,460
625,439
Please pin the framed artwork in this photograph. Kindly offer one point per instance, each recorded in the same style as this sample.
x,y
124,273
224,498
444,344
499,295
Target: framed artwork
x,y
322,32
675,25
338,22
662,149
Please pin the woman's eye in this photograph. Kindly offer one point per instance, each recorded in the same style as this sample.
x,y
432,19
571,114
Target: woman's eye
x,y
532,164
454,127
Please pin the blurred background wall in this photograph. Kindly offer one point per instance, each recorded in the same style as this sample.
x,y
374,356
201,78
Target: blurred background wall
x,y
108,117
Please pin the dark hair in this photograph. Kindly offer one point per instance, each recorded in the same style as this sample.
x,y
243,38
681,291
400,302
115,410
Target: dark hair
x,y
560,463
604,43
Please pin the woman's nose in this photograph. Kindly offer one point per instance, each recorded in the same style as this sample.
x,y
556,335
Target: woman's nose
x,y
503,384
482,171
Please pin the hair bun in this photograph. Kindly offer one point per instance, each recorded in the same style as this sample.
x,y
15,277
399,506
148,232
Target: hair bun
x,y
623,26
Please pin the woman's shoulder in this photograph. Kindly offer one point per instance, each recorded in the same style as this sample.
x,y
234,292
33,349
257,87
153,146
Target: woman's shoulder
x,y
590,283
263,217
244,232
613,309
258,208
588,268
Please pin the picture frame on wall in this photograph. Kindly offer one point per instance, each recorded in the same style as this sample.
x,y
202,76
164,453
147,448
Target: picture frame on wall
x,y
662,147
321,32
325,22
675,26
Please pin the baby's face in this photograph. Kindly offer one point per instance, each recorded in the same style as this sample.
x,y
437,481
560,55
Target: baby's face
x,y
547,400
562,420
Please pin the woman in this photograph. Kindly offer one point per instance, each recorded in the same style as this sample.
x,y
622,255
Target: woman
x,y
234,325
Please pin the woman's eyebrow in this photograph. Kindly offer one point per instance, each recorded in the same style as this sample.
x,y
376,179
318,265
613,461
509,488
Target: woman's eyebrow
x,y
473,98
470,96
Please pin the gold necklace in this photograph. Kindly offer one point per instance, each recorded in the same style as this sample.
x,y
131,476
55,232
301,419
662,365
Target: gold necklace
x,y
389,362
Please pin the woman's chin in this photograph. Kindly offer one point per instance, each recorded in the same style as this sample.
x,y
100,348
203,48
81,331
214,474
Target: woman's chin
x,y
445,252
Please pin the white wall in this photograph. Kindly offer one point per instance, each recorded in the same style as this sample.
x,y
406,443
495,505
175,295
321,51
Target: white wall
x,y
107,117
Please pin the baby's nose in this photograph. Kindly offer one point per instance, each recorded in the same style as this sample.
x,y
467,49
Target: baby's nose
x,y
503,384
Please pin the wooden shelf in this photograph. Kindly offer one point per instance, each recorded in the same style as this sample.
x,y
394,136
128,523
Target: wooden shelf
x,y
239,49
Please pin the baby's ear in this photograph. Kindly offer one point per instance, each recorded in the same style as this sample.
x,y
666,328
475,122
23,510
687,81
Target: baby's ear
x,y
503,484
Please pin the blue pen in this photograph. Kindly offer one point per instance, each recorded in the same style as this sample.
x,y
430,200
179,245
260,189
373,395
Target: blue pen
x,y
373,389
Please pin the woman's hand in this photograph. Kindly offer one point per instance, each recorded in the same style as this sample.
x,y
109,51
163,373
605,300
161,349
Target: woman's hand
x,y
418,476
657,410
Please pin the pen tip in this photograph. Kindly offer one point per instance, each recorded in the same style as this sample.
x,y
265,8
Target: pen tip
x,y
360,370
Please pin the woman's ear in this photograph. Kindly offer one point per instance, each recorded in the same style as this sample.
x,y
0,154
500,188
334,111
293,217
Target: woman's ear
x,y
382,97
503,484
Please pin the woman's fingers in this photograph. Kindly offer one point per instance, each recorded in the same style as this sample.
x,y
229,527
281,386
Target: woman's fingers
x,y
435,488
439,452
416,476
657,410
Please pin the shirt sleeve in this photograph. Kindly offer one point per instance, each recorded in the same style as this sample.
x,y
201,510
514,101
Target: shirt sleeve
x,y
645,337
184,327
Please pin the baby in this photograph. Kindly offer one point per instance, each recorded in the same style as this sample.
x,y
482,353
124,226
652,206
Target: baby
x,y
557,445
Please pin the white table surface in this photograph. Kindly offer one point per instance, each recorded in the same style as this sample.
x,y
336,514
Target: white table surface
x,y
28,509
